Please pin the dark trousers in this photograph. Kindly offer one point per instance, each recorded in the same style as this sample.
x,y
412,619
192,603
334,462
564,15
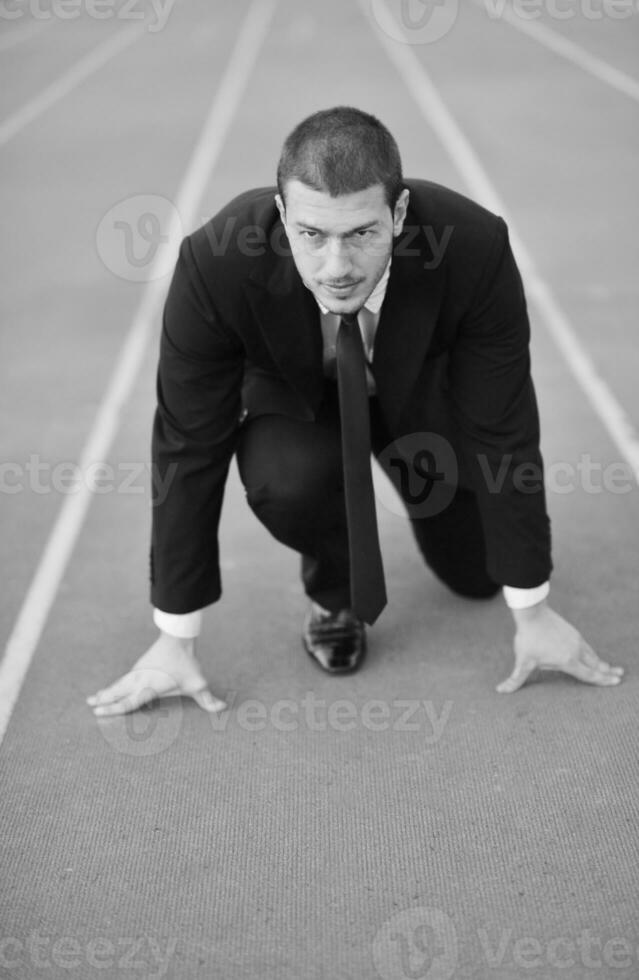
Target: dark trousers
x,y
292,474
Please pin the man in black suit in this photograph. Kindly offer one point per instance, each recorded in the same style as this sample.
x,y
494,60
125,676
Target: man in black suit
x,y
349,311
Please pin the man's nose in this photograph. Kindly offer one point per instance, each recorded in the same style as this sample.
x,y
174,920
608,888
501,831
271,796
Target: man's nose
x,y
337,260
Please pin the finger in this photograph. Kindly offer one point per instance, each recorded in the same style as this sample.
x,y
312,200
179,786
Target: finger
x,y
131,701
588,656
519,676
609,669
136,688
208,701
590,675
114,692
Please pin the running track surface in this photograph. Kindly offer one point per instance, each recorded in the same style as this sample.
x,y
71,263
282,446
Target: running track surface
x,y
458,834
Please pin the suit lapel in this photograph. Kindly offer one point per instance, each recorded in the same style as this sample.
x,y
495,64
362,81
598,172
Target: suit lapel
x,y
405,330
288,316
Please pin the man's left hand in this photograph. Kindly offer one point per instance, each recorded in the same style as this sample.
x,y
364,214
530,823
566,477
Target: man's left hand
x,y
547,641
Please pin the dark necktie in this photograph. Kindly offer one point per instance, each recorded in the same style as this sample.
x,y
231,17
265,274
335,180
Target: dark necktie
x,y
368,591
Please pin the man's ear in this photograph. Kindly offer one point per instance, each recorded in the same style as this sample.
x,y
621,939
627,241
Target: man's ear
x,y
399,212
281,207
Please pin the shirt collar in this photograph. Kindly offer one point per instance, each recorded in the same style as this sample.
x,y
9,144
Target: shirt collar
x,y
376,298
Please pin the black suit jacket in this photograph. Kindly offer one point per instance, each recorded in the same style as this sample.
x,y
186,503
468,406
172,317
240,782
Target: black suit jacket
x,y
241,335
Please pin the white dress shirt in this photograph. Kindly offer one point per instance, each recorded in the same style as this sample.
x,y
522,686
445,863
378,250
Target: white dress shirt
x,y
186,625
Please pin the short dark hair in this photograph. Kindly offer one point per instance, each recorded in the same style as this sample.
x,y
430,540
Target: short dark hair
x,y
342,151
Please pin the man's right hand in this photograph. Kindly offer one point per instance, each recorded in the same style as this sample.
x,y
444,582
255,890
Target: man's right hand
x,y
168,668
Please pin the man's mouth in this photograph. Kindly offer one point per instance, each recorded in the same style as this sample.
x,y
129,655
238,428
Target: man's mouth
x,y
340,287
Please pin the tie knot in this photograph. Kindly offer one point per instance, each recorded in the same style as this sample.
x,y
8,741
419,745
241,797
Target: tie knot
x,y
350,319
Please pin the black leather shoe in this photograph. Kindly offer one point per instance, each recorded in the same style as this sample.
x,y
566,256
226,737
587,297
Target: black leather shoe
x,y
335,641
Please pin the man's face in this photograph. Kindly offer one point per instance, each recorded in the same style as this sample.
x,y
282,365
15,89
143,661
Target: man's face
x,y
341,245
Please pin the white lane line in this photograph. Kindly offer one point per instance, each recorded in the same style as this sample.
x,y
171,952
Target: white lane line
x,y
464,158
59,547
558,44
82,69
18,35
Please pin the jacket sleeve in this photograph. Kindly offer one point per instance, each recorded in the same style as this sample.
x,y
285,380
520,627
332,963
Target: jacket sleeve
x,y
194,435
496,411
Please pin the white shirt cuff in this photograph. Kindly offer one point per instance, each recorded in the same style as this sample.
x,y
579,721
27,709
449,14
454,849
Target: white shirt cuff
x,y
184,625
523,598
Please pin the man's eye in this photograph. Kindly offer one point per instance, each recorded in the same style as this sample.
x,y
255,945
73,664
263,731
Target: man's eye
x,y
365,233
308,234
